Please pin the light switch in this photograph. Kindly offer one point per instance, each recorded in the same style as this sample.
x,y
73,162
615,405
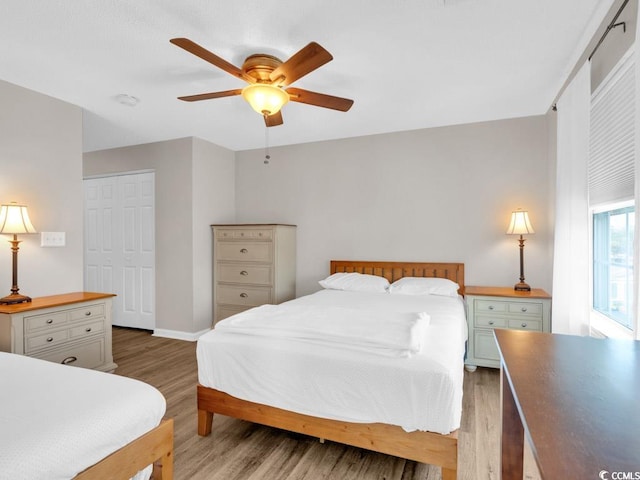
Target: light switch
x,y
52,239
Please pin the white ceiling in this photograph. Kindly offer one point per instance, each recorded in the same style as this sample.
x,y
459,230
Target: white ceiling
x,y
408,64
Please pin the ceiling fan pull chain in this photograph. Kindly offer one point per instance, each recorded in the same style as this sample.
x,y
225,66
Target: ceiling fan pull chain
x,y
267,157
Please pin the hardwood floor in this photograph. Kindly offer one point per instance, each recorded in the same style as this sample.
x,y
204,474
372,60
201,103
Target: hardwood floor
x,y
238,450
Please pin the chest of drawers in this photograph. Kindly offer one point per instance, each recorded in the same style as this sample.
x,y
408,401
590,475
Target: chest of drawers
x,y
73,329
489,308
252,265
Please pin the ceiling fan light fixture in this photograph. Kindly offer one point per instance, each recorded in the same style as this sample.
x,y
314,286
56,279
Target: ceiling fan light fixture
x,y
264,98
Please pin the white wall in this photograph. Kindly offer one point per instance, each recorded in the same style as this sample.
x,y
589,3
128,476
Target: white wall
x,y
442,194
41,165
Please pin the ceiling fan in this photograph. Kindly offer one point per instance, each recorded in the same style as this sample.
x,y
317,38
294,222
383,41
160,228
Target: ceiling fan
x,y
269,79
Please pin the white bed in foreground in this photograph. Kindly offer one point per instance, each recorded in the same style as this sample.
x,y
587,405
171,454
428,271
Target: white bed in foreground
x,y
58,421
333,374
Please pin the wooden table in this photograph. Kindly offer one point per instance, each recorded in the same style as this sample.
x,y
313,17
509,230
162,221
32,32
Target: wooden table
x,y
577,400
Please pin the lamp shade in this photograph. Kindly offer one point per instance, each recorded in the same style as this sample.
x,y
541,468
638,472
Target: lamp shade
x,y
520,223
14,219
265,99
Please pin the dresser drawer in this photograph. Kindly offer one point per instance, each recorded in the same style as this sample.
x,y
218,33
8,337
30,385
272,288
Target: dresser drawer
x,y
240,233
84,354
490,322
525,324
224,311
241,295
45,321
245,251
45,340
241,273
485,346
84,313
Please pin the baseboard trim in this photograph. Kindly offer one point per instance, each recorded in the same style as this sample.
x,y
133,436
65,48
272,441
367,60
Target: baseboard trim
x,y
178,335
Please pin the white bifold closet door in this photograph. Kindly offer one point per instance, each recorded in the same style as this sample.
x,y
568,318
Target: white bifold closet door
x,y
119,245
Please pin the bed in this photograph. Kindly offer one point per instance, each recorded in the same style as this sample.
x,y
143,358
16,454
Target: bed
x,y
412,438
61,422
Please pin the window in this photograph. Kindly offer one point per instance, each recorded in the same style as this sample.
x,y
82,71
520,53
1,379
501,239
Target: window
x,y
613,232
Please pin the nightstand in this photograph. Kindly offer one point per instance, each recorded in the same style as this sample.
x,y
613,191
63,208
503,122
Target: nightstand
x,y
489,308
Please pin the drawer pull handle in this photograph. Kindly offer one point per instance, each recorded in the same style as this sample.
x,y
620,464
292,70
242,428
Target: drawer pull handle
x,y
524,325
244,250
244,273
491,322
49,339
50,321
244,295
69,360
87,313
88,329
490,307
524,309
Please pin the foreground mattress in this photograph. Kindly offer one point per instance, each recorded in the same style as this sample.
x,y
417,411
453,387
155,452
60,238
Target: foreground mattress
x,y
420,392
56,420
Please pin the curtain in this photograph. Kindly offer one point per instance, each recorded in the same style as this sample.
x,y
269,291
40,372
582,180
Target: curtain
x,y
570,311
636,242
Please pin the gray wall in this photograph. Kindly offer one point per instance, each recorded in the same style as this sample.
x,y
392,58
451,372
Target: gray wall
x,y
194,180
442,194
41,165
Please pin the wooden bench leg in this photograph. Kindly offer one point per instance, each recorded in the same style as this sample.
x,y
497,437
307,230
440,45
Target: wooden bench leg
x,y
205,422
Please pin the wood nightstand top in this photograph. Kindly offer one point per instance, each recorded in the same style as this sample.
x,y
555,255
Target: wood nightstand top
x,y
505,292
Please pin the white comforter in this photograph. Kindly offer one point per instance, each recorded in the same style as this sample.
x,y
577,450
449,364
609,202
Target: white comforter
x,y
421,391
56,420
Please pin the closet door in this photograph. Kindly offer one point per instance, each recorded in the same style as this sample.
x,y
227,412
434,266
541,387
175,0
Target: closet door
x,y
120,245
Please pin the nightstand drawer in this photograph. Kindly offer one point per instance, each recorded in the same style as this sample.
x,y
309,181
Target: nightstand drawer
x,y
245,296
484,345
241,273
46,321
46,340
87,355
526,309
491,306
490,322
525,324
85,313
87,329
245,251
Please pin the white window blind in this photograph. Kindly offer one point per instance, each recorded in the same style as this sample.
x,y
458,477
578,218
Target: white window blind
x,y
612,136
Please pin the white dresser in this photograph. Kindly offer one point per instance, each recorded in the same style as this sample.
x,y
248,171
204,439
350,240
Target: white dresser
x,y
489,308
72,328
253,264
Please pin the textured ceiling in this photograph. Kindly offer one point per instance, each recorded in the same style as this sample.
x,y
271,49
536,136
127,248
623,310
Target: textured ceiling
x,y
408,64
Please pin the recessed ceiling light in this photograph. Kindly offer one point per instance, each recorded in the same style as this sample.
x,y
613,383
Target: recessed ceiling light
x,y
128,100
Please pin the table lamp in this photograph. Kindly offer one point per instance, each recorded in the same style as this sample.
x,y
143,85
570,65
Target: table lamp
x,y
14,219
520,225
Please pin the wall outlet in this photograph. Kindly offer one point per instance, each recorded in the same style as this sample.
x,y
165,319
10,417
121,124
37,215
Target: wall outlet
x,y
52,239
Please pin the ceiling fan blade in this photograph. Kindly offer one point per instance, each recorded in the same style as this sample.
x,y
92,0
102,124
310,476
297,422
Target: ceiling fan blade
x,y
306,60
212,58
208,96
273,120
319,99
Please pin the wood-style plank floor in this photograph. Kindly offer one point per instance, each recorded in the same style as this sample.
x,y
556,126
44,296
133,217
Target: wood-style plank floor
x,y
238,450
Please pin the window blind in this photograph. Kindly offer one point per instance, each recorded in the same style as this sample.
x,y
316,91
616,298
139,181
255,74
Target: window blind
x,y
612,136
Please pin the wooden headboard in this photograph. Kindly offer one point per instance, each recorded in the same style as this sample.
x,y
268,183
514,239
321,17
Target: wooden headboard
x,y
393,271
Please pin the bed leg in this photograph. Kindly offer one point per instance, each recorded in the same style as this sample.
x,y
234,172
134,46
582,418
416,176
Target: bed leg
x,y
449,474
205,422
163,468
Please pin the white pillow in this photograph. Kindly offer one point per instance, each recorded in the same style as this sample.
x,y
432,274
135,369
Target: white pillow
x,y
356,282
424,286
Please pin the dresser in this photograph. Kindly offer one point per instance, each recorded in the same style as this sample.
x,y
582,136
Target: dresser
x,y
72,328
253,264
489,308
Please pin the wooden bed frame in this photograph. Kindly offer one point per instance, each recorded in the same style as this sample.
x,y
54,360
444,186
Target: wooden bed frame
x,y
426,447
155,446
